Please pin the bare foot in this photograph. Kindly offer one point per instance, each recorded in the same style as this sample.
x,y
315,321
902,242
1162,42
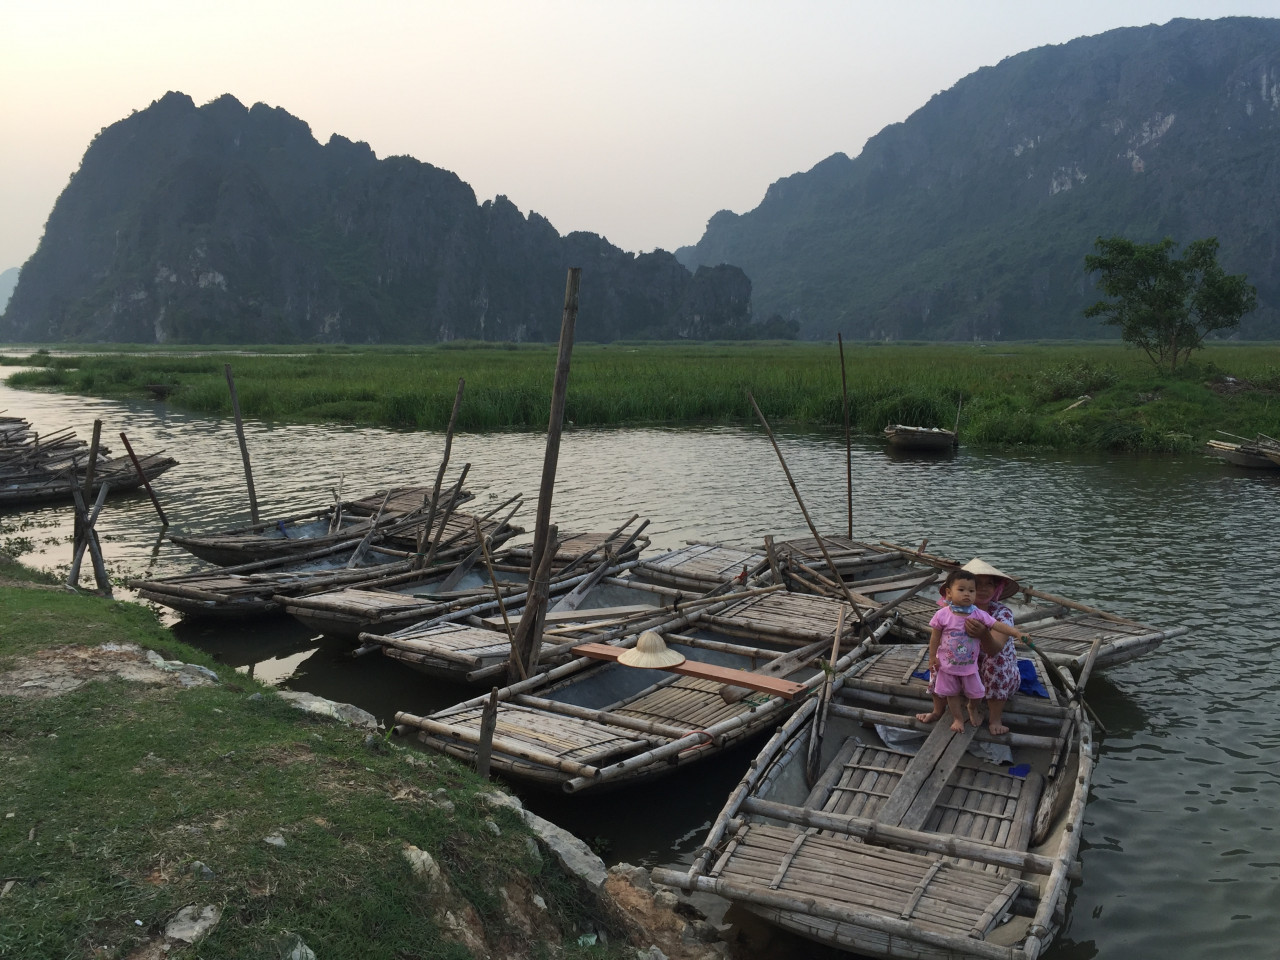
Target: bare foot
x,y
998,728
929,717
974,716
957,726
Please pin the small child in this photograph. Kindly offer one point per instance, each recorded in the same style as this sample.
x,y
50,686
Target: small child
x,y
953,654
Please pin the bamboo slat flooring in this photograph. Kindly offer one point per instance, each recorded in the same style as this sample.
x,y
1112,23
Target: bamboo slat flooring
x,y
686,702
782,613
928,890
702,564
569,738
454,643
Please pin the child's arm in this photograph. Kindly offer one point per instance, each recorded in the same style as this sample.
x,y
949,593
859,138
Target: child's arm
x,y
935,638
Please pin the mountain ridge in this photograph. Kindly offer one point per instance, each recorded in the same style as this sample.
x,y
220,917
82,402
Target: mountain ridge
x,y
971,218
223,223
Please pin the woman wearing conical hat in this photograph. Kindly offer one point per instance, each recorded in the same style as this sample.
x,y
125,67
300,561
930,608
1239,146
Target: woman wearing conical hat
x,y
998,658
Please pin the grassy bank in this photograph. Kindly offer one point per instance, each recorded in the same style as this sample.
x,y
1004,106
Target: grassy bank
x,y
114,794
1013,394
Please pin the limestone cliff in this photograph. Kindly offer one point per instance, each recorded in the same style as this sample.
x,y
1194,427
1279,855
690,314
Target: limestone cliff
x,y
221,224
972,218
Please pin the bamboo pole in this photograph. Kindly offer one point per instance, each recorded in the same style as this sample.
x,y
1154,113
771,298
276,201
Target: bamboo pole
x,y
529,632
244,447
848,443
143,477
444,463
812,529
454,497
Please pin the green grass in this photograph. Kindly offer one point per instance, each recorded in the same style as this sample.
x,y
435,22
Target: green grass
x,y
1013,394
111,792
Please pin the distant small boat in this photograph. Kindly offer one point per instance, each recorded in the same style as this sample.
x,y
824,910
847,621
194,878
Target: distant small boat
x,y
920,438
1252,455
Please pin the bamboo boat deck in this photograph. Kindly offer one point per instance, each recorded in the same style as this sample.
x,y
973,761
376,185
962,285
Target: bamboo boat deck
x,y
931,855
894,672
700,567
924,890
119,473
877,573
781,616
449,648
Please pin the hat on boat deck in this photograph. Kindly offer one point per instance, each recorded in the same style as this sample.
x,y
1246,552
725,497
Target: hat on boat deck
x,y
650,651
980,568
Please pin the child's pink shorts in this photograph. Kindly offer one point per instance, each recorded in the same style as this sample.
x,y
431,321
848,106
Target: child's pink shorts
x,y
952,685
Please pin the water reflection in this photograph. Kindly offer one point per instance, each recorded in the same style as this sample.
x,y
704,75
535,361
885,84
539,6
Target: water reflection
x,y
1180,857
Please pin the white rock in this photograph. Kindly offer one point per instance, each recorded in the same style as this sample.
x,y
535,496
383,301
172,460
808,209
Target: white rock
x,y
192,922
423,865
342,712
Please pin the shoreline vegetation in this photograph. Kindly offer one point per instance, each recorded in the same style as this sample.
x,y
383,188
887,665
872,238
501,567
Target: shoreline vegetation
x,y
1072,396
138,785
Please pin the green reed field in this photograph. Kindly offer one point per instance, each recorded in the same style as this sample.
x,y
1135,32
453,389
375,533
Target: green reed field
x,y
1013,394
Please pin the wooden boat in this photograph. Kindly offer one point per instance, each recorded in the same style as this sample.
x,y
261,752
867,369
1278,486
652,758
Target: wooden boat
x,y
875,573
594,723
700,567
400,601
1254,456
922,439
303,533
119,473
257,589
845,834
473,644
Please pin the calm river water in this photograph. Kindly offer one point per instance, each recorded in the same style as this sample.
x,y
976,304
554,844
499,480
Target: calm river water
x,y
1181,852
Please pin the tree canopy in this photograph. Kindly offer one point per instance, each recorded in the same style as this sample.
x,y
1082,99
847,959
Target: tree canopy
x,y
1167,305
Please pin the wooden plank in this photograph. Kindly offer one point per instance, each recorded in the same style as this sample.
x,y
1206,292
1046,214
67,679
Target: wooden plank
x,y
706,671
937,779
935,755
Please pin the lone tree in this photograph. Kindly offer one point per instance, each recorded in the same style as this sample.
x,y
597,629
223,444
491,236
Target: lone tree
x,y
1164,305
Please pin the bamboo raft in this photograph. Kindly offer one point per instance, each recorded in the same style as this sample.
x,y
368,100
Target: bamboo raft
x,y
303,533
119,473
588,725
887,852
700,567
257,589
401,601
1061,629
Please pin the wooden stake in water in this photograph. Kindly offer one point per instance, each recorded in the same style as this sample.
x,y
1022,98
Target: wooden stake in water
x,y
529,632
848,444
424,537
244,448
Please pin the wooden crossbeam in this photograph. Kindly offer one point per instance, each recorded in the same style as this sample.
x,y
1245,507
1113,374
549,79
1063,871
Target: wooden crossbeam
x,y
774,686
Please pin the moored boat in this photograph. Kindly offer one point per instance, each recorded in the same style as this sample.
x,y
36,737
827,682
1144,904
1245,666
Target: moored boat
x,y
120,474
923,439
862,828
257,589
400,601
1254,456
302,533
596,723
875,573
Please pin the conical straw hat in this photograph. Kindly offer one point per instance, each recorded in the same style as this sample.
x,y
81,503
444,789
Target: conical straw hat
x,y
980,568
650,651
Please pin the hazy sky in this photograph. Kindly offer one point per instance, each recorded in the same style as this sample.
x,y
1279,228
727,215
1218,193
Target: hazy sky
x,y
637,120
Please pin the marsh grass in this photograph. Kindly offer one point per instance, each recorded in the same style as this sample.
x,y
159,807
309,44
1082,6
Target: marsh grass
x,y
1013,394
113,791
